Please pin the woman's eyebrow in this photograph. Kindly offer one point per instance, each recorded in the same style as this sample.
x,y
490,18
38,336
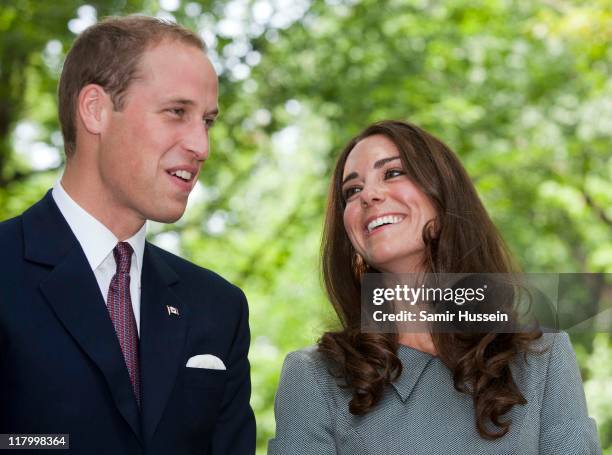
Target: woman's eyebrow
x,y
351,176
381,163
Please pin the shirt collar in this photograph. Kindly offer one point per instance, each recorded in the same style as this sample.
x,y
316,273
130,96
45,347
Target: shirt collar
x,y
414,363
96,240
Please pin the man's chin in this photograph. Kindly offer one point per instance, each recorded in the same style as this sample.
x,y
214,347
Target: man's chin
x,y
168,216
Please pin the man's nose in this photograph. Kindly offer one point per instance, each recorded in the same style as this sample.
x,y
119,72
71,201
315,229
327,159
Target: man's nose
x,y
196,140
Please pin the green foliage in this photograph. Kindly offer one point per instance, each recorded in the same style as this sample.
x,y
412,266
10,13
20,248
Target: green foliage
x,y
520,89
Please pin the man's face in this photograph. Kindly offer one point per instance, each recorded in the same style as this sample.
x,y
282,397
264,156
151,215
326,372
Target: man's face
x,y
152,150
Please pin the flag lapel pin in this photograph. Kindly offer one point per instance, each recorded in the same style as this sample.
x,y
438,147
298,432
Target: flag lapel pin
x,y
172,310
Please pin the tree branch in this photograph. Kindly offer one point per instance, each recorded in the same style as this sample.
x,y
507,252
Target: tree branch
x,y
601,213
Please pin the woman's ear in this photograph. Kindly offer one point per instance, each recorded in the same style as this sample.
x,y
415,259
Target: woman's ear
x,y
433,228
93,108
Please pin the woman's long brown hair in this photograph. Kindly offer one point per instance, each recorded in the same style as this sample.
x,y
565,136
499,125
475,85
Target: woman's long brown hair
x,y
465,241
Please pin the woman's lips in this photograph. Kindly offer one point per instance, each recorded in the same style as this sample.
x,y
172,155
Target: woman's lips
x,y
380,222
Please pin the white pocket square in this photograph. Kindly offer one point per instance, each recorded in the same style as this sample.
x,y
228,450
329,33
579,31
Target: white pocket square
x,y
208,361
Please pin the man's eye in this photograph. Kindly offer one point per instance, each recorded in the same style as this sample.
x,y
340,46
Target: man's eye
x,y
394,173
350,192
178,112
209,122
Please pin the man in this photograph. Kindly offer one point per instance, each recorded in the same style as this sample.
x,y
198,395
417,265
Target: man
x,y
103,336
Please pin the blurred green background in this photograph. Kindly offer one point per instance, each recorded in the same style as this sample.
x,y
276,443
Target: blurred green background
x,y
522,90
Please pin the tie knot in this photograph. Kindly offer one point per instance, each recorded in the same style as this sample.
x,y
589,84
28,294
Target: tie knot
x,y
123,257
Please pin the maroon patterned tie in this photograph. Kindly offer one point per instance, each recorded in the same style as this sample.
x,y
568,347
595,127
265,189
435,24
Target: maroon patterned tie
x,y
121,313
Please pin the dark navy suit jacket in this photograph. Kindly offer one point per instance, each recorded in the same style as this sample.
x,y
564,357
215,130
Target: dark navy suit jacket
x,y
61,367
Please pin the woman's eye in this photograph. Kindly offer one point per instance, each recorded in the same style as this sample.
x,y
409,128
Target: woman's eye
x,y
394,173
209,122
349,192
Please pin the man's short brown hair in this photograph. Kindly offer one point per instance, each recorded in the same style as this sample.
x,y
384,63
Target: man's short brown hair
x,y
108,54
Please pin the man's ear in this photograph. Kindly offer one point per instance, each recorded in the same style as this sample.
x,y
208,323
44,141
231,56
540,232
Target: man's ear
x,y
94,107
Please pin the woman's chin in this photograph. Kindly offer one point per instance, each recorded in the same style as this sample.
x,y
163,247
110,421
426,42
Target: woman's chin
x,y
394,263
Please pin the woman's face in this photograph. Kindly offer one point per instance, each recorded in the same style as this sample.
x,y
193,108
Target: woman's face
x,y
385,212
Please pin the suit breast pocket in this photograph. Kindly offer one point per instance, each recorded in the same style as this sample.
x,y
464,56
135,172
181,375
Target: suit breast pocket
x,y
204,378
203,392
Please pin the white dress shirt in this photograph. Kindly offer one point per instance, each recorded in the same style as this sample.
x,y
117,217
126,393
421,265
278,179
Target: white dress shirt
x,y
98,242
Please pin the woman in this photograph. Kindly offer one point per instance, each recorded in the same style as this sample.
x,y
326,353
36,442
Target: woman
x,y
401,202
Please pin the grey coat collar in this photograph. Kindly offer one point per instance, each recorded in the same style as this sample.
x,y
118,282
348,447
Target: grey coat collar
x,y
414,363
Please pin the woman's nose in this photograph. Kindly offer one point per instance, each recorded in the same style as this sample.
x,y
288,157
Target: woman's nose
x,y
371,195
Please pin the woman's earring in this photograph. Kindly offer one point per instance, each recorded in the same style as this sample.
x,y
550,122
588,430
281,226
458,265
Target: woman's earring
x,y
359,265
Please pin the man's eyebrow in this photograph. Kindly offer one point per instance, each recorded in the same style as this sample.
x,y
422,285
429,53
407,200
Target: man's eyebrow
x,y
183,101
377,165
188,102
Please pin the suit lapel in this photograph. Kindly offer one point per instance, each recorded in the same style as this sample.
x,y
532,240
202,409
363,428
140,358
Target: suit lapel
x,y
73,293
162,337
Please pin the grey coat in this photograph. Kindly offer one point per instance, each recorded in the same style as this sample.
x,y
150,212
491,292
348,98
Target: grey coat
x,y
422,413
